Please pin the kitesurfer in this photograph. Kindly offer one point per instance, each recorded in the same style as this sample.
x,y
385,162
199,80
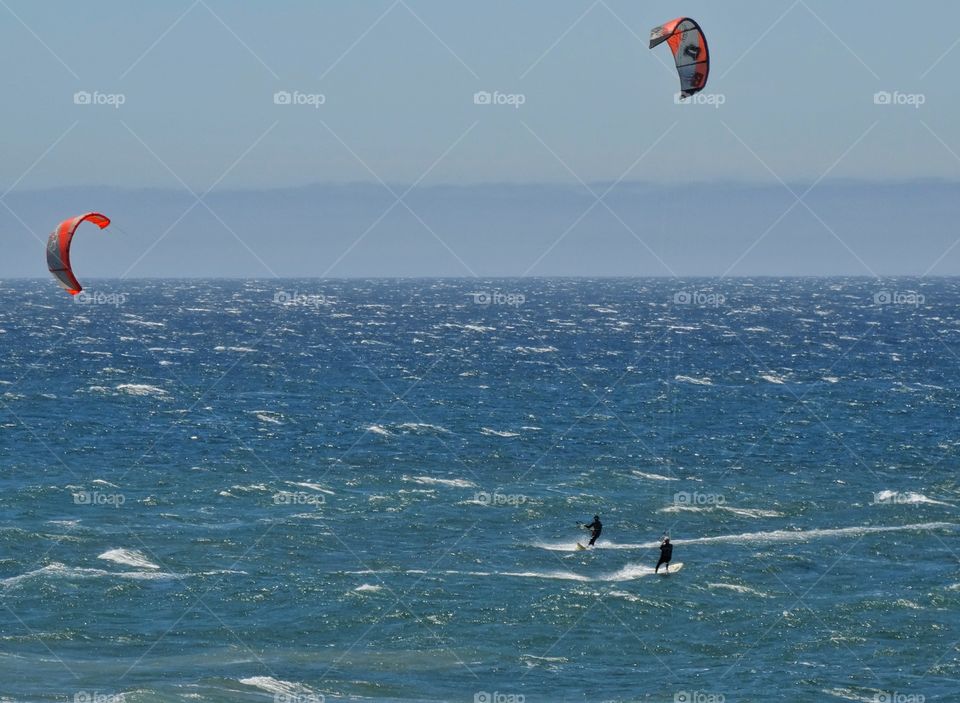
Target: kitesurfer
x,y
666,553
596,526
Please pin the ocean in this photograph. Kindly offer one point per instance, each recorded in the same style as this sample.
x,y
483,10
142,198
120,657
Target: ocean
x,y
326,490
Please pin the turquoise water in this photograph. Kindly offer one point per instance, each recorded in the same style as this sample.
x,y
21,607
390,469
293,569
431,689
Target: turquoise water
x,y
299,491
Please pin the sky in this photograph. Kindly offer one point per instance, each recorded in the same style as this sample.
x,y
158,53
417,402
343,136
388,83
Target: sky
x,y
331,113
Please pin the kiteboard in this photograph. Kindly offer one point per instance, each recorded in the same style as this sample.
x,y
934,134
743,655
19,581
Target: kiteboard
x,y
580,547
674,568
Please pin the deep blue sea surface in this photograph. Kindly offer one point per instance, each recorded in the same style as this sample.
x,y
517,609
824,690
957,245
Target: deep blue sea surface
x,y
298,491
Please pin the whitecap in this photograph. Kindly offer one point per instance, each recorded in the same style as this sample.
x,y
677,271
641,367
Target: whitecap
x,y
705,381
277,687
905,498
129,557
738,589
422,427
653,477
452,482
141,389
498,433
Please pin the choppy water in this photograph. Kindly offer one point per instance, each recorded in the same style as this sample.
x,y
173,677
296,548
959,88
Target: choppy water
x,y
367,490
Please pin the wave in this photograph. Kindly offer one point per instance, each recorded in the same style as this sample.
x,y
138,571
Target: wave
x,y
367,588
742,512
849,694
141,389
738,589
755,538
252,488
907,498
56,570
654,477
430,481
467,327
311,486
280,689
498,433
422,427
130,557
143,323
627,573
696,381
268,416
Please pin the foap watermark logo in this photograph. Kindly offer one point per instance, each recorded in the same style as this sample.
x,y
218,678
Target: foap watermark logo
x,y
695,498
509,499
97,697
714,100
698,697
899,297
699,298
898,99
514,100
98,99
96,297
298,698
900,498
296,298
497,298
300,99
498,697
299,498
898,697
96,498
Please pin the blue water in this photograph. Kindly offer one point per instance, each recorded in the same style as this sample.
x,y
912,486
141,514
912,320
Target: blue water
x,y
368,490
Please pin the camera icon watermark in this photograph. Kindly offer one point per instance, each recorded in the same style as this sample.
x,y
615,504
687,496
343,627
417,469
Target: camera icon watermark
x,y
498,298
714,100
699,298
299,698
296,298
514,100
498,697
698,499
898,297
698,697
86,297
513,500
97,697
299,498
896,98
285,97
898,697
114,100
97,498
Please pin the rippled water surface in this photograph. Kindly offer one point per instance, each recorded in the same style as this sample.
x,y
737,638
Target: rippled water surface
x,y
368,490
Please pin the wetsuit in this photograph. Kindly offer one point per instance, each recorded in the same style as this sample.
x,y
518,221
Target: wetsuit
x,y
597,529
666,553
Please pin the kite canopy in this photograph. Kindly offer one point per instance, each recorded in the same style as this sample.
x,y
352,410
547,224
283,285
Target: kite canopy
x,y
689,47
58,249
